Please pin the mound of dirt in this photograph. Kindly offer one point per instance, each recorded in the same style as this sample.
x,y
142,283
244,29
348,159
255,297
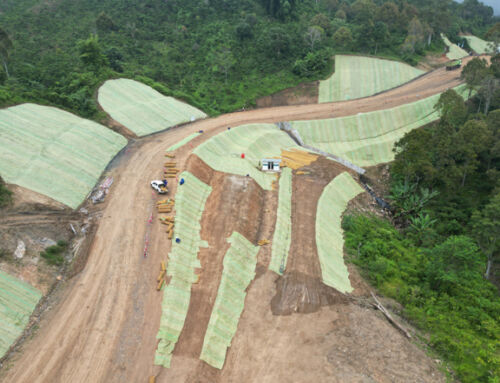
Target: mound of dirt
x,y
300,293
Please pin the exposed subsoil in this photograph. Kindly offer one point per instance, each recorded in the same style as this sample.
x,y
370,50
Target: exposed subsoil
x,y
302,94
103,326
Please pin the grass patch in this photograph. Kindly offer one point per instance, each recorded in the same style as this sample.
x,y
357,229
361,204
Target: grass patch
x,y
54,255
5,194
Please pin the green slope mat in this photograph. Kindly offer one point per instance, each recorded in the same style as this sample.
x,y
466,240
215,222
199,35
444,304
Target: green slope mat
x,y
367,139
183,142
189,205
17,301
454,52
239,270
478,45
283,233
329,235
257,141
53,152
142,109
357,76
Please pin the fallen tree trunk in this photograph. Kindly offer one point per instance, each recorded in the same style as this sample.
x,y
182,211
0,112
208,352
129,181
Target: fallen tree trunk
x,y
384,311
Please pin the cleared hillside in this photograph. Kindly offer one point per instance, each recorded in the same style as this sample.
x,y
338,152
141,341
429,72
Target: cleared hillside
x,y
358,76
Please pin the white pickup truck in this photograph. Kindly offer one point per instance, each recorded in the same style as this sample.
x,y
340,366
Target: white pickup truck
x,y
159,186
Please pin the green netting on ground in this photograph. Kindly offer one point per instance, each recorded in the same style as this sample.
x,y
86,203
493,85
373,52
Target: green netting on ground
x,y
17,301
329,235
478,45
454,51
239,270
142,109
189,205
367,139
54,152
257,141
357,76
283,232
183,141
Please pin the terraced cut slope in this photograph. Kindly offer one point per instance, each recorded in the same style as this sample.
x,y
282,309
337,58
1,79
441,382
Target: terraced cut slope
x,y
224,151
454,51
17,301
142,109
357,76
54,152
367,139
239,270
329,234
478,45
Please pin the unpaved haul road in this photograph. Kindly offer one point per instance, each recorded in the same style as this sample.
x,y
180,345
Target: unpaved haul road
x,y
104,325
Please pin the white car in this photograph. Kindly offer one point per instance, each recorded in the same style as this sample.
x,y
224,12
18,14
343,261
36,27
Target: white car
x,y
159,186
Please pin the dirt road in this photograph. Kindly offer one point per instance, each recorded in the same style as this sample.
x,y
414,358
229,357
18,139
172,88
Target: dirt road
x,y
104,326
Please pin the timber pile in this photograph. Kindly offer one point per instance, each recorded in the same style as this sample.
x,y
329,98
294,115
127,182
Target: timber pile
x,y
169,222
169,155
296,158
170,169
161,276
264,242
165,205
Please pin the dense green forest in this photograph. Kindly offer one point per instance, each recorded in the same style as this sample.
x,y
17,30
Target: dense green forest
x,y
439,258
219,55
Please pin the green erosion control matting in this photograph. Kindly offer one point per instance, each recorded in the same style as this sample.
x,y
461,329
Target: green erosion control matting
x,y
257,141
357,76
54,152
478,45
17,301
189,205
183,142
142,109
239,270
283,233
329,236
454,52
367,139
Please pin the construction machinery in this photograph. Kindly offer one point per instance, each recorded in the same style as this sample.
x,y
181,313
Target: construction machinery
x,y
456,64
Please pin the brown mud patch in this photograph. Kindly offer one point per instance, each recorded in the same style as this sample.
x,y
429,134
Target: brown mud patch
x,y
302,94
